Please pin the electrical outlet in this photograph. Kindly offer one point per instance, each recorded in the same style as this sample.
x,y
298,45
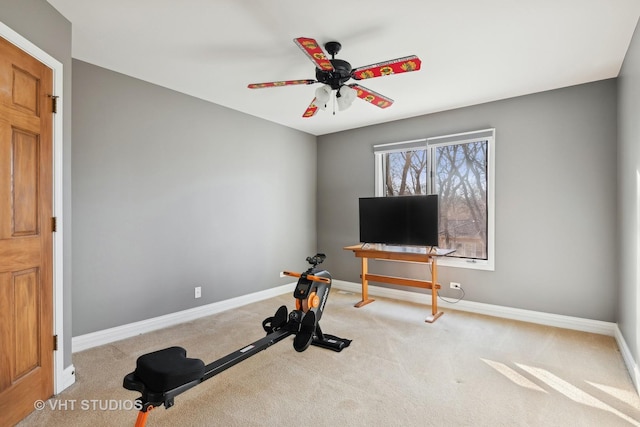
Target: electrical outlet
x,y
198,292
454,285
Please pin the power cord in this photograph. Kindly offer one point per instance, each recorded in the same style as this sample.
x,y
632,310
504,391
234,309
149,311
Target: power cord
x,y
452,301
444,299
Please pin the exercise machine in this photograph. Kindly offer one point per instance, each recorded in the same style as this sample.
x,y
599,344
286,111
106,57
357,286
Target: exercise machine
x,y
162,375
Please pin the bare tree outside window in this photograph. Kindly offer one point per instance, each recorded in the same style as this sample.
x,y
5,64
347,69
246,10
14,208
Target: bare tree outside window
x,y
459,177
406,173
461,184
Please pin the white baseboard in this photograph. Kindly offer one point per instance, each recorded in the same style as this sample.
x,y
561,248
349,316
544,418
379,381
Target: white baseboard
x,y
557,320
94,339
67,379
632,365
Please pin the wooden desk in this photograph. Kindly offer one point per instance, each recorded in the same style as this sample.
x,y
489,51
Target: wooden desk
x,y
366,252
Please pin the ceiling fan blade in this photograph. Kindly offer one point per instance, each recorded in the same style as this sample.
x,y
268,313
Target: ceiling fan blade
x,y
371,96
311,110
395,66
314,52
280,83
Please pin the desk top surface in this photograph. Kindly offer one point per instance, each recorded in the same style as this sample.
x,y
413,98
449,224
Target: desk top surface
x,y
400,251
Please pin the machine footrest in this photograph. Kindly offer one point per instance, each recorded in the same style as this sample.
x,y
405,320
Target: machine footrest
x,y
331,342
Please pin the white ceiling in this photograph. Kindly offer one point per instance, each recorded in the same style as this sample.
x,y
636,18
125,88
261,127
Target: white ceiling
x,y
472,51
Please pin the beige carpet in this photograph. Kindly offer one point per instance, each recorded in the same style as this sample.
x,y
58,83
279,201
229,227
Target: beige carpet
x,y
463,370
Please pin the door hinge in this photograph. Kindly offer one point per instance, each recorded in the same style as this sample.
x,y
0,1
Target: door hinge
x,y
55,343
54,103
54,224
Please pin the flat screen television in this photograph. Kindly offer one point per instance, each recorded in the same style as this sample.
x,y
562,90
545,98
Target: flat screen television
x,y
399,220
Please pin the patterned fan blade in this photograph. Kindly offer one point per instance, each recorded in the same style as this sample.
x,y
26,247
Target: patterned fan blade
x,y
311,110
282,83
372,97
395,66
314,52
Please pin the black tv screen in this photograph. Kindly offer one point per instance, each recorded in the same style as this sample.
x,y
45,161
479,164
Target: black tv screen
x,y
399,220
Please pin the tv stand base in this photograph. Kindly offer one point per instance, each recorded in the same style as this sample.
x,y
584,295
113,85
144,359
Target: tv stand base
x,y
364,302
426,257
433,317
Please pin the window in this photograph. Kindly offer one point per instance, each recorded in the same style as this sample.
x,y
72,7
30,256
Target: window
x,y
459,168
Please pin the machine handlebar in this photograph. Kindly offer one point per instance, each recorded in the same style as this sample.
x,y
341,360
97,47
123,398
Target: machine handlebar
x,y
308,276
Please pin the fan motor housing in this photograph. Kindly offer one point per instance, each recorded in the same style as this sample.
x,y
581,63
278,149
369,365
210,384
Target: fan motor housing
x,y
340,75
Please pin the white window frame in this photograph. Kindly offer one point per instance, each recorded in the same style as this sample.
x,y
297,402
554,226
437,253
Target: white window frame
x,y
458,138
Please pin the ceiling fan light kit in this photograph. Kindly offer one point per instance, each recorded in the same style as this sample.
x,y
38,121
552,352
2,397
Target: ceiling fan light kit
x,y
345,97
335,73
323,94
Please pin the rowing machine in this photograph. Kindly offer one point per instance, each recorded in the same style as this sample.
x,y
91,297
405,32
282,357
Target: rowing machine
x,y
162,375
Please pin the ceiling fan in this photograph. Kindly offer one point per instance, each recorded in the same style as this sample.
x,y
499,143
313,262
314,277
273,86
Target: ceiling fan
x,y
335,73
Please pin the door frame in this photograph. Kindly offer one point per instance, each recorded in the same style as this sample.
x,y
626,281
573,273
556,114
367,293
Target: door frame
x,y
62,378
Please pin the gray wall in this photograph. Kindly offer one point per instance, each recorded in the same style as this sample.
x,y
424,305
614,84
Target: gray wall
x,y
172,192
555,201
629,196
42,25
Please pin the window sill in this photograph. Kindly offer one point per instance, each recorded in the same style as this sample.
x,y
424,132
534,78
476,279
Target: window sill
x,y
486,265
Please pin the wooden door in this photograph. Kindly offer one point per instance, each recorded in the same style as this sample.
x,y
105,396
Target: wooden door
x,y
26,269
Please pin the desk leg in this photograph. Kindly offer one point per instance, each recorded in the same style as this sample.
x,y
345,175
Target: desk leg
x,y
365,284
434,292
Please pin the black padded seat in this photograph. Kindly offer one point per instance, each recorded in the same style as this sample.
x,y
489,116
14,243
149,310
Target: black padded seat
x,y
166,369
